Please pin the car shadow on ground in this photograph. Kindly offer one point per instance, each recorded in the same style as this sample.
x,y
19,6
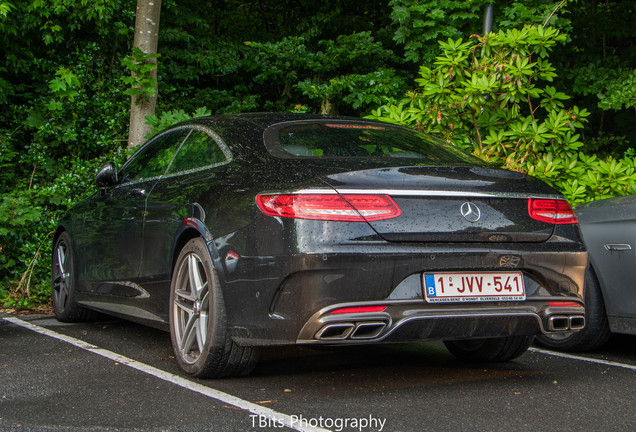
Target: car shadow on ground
x,y
620,344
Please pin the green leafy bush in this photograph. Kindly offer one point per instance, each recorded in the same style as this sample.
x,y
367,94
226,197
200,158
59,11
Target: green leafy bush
x,y
351,71
140,82
169,118
420,24
49,162
491,96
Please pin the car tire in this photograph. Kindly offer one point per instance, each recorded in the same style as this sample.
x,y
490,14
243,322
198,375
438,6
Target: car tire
x,y
490,349
63,284
198,322
597,329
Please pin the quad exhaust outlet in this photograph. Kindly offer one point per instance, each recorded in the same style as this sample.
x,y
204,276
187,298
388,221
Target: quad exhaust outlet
x,y
351,330
560,323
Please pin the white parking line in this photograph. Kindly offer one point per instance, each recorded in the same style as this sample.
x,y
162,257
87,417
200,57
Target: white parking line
x,y
276,418
583,358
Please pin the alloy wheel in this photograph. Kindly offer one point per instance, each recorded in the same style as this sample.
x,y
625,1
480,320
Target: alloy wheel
x,y
61,280
191,308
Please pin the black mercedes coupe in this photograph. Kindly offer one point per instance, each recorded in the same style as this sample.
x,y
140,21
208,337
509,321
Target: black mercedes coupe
x,y
241,231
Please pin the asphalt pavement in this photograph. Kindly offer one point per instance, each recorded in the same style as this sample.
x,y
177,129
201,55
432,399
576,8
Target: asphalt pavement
x,y
119,376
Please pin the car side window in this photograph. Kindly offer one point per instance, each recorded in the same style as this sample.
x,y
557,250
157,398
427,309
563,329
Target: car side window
x,y
153,159
200,150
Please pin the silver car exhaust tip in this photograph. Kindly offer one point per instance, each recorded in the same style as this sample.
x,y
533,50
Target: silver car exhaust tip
x,y
577,322
559,323
354,331
339,331
368,330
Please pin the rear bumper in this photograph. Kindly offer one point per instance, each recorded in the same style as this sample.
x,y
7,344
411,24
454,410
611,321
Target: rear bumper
x,y
296,294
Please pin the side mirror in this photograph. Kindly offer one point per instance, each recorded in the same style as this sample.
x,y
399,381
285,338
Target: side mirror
x,y
106,176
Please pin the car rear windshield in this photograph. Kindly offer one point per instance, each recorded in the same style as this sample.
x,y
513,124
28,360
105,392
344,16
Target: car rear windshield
x,y
338,139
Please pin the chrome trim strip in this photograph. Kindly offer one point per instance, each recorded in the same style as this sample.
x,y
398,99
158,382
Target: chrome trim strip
x,y
429,193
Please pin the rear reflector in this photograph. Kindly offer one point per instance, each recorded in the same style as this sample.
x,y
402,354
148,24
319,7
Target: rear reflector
x,y
359,309
556,211
332,207
564,304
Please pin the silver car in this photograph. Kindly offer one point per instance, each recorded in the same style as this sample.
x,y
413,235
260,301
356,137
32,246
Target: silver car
x,y
609,231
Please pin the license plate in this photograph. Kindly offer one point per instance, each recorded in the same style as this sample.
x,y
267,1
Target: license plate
x,y
473,287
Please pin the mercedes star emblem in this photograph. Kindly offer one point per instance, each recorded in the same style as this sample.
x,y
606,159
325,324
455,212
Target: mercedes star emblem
x,y
470,212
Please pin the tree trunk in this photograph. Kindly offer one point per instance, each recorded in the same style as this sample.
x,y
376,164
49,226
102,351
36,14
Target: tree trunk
x,y
146,39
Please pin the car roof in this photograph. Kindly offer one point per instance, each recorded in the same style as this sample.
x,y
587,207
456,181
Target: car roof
x,y
266,119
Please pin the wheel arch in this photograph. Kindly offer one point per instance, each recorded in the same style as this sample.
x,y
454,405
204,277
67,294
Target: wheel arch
x,y
592,266
61,229
58,232
191,228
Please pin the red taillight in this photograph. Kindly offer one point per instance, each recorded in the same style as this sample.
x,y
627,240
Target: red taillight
x,y
556,211
332,207
358,309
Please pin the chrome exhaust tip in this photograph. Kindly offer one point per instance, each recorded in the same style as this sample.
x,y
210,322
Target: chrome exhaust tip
x,y
559,323
577,322
339,331
368,330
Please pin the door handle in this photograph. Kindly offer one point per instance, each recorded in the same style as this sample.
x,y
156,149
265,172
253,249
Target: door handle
x,y
618,247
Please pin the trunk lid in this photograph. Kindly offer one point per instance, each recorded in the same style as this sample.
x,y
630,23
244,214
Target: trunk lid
x,y
452,204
